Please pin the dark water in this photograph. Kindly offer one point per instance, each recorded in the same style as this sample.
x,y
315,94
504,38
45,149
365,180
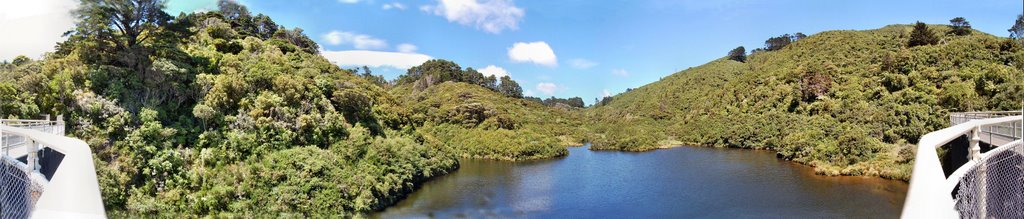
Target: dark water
x,y
684,182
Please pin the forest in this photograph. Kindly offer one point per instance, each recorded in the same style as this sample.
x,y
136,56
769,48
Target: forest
x,y
846,102
228,114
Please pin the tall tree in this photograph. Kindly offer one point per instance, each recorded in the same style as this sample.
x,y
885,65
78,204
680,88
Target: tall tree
x,y
1017,30
510,87
960,26
738,54
491,82
472,76
921,35
122,24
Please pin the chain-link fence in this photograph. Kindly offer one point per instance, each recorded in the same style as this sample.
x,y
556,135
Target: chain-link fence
x,y
994,187
17,192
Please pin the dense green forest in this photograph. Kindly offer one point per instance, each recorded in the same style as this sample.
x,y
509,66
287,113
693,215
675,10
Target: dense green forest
x,y
228,114
846,102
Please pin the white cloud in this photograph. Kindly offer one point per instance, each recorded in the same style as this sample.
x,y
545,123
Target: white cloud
x,y
547,88
349,1
359,41
537,52
498,72
529,93
492,16
375,58
407,48
393,5
582,63
32,28
605,93
620,72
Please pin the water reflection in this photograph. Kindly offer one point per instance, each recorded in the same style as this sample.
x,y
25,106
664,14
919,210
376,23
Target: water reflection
x,y
683,182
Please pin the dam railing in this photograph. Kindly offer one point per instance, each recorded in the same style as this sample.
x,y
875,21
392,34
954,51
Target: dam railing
x,y
44,174
989,184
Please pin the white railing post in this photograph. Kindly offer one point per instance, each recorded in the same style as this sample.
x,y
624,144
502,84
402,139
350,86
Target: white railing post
x,y
975,155
59,125
31,159
975,147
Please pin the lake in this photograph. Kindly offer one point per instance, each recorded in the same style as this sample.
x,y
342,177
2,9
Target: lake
x,y
682,182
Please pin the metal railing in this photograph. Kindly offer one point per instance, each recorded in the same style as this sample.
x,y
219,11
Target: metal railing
x,y
55,127
72,189
930,190
995,134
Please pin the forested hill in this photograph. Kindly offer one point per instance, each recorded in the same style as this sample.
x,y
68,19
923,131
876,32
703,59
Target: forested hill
x,y
847,102
228,114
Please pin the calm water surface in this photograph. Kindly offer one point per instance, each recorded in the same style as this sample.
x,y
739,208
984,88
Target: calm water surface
x,y
684,182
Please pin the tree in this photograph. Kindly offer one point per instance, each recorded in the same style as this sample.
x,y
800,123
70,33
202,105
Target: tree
x,y
232,10
960,26
510,87
436,70
368,75
21,60
296,37
491,82
124,24
367,72
798,36
472,76
1017,31
576,102
921,35
239,16
605,100
738,54
777,43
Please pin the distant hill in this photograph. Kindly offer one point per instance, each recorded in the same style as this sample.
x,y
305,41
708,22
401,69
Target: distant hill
x,y
472,121
847,102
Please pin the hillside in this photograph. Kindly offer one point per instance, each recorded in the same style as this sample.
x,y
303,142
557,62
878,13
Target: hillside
x,y
227,114
472,121
846,102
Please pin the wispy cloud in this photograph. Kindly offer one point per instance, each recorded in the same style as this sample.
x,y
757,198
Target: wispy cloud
x,y
580,63
620,72
393,5
359,41
493,16
547,88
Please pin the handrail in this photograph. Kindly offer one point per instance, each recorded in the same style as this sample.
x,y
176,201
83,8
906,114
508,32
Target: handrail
x,y
927,197
73,191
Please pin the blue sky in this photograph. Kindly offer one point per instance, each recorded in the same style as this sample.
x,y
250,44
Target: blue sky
x,y
565,48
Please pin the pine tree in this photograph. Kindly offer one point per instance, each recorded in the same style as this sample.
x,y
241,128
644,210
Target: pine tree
x,y
922,36
960,26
